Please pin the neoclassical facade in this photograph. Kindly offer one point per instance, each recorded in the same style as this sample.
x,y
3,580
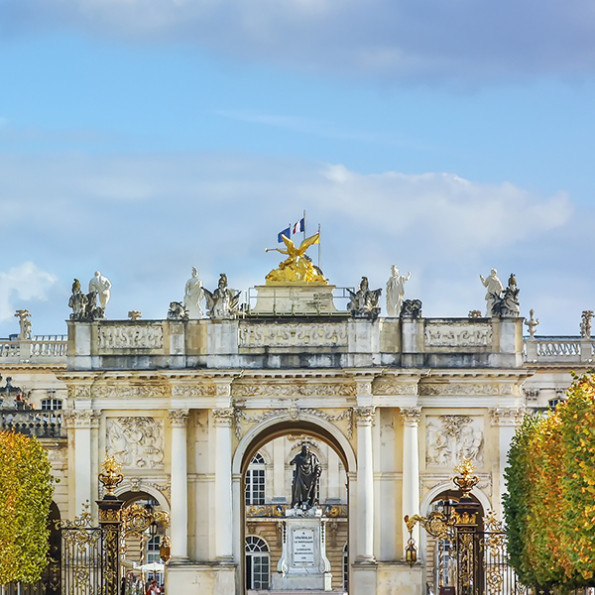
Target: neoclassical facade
x,y
206,414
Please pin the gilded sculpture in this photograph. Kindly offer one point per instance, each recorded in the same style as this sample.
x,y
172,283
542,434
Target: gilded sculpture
x,y
297,268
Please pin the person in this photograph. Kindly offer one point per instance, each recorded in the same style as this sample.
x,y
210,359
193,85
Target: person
x,y
153,588
101,286
193,295
395,290
494,289
305,478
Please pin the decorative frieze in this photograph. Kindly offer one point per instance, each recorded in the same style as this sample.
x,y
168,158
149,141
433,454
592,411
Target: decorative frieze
x,y
387,385
459,335
121,391
293,335
452,438
507,416
130,336
135,442
179,391
453,389
294,389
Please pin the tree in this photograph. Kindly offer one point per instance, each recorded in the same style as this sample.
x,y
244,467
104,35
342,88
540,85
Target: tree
x,y
26,489
550,504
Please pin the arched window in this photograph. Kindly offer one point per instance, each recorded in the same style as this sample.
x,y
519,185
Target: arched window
x,y
255,484
257,563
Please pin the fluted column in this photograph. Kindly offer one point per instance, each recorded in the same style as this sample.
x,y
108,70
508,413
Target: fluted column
x,y
365,485
223,503
410,495
179,485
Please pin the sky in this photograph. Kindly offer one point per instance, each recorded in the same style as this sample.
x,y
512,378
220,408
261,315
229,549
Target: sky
x,y
141,138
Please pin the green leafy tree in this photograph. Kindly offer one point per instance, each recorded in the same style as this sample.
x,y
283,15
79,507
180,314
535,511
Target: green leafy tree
x,y
550,504
26,488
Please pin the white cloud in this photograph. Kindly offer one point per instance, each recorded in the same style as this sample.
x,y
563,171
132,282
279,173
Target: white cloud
x,y
395,39
26,282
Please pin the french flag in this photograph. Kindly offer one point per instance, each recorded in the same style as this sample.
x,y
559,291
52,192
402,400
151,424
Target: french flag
x,y
297,227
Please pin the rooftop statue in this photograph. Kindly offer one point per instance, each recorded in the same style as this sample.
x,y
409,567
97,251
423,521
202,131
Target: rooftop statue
x,y
494,289
223,303
101,286
297,267
24,317
84,308
395,290
507,305
194,295
364,301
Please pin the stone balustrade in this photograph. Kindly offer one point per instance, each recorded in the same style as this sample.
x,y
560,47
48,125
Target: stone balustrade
x,y
41,424
39,349
559,350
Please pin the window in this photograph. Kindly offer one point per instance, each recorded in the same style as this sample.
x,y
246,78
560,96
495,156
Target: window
x,y
153,546
255,481
51,404
257,563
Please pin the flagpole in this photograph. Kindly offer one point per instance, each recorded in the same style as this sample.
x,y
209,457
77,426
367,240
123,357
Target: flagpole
x,y
319,245
304,224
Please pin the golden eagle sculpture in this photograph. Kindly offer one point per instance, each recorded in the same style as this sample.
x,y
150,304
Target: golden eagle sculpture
x,y
297,268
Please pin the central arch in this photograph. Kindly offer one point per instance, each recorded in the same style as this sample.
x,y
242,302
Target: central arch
x,y
283,425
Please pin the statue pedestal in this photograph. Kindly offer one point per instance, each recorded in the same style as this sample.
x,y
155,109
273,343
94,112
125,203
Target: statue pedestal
x,y
305,299
303,564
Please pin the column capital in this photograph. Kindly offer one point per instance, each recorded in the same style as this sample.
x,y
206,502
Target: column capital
x,y
506,416
178,417
223,416
364,416
411,415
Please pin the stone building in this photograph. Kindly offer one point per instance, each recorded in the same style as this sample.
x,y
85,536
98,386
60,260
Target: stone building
x,y
205,415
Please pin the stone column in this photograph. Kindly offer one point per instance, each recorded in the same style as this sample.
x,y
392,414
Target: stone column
x,y
410,495
82,422
223,503
507,419
365,485
179,485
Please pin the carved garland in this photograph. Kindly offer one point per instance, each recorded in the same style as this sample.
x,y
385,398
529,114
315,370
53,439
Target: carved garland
x,y
294,389
294,412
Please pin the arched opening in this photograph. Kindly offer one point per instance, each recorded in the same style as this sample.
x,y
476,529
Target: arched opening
x,y
262,466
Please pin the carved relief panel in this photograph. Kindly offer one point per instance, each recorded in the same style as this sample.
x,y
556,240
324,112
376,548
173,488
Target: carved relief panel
x,y
451,438
135,441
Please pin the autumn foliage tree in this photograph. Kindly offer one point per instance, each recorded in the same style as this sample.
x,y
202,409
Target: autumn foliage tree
x,y
550,504
26,489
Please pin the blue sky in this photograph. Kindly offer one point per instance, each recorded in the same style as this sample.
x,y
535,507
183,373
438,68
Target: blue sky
x,y
445,136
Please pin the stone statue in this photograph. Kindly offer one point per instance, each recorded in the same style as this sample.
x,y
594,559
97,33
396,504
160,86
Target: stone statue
x,y
223,303
177,311
305,478
25,323
101,286
532,323
507,304
297,267
364,301
411,309
494,289
395,290
586,317
193,295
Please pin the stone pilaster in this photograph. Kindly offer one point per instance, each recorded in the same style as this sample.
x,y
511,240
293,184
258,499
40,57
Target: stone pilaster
x,y
410,494
223,419
179,485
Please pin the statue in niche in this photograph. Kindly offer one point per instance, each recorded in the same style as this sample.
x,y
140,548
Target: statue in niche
x,y
364,301
101,286
305,479
297,267
395,290
507,304
223,303
494,290
193,295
